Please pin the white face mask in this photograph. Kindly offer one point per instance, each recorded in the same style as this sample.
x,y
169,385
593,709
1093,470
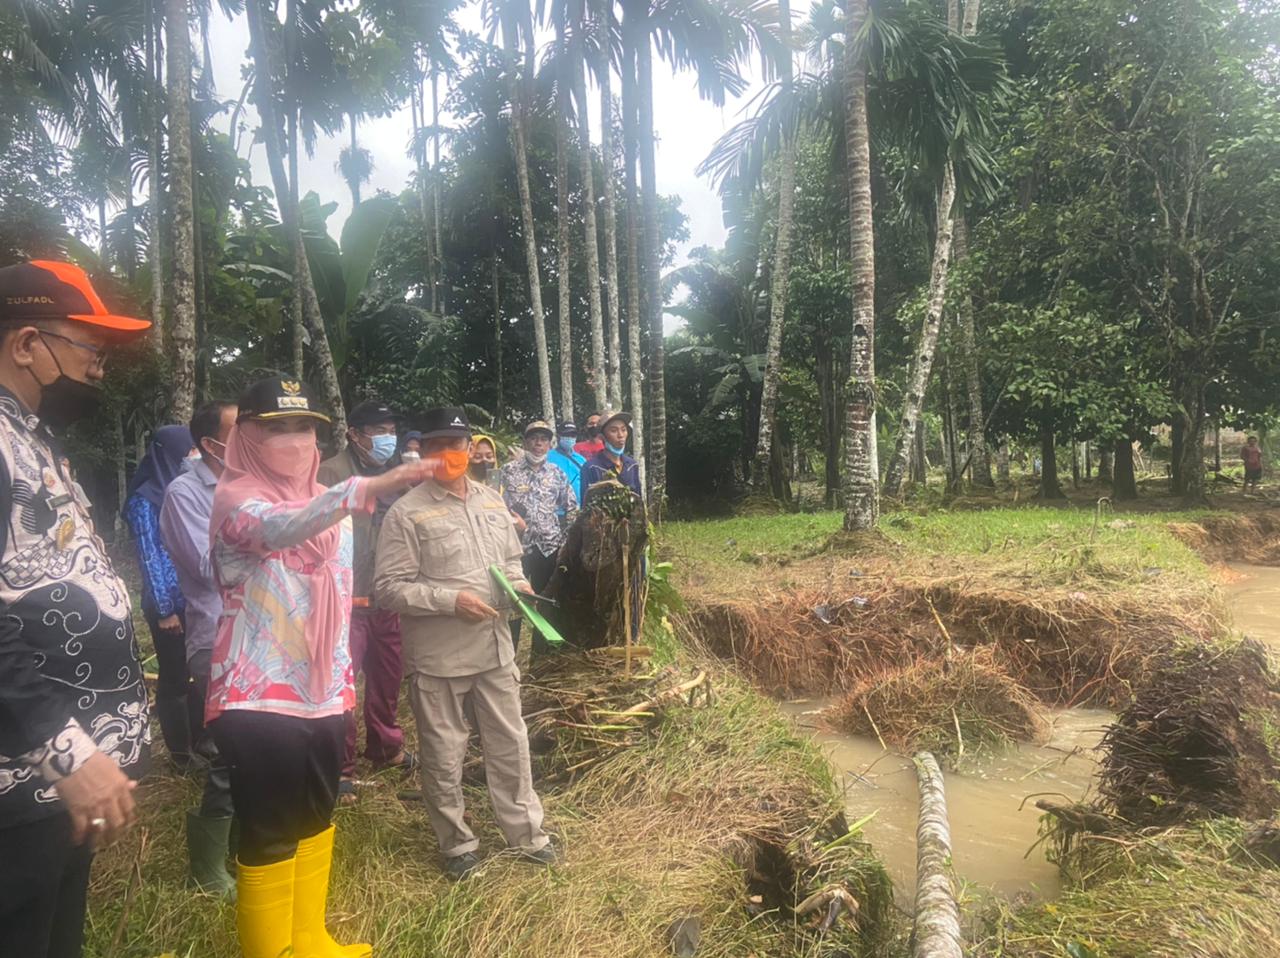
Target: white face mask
x,y
535,460
410,456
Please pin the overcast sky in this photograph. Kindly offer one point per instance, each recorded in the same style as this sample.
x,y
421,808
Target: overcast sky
x,y
686,126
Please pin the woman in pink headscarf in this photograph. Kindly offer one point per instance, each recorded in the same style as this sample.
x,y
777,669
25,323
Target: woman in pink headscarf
x,y
281,675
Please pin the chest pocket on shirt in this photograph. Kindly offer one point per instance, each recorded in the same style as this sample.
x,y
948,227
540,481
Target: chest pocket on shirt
x,y
443,547
496,525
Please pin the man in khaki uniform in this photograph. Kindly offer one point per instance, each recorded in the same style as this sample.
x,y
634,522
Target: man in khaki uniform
x,y
434,552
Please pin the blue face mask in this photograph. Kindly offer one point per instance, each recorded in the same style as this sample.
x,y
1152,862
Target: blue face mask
x,y
615,450
566,444
383,448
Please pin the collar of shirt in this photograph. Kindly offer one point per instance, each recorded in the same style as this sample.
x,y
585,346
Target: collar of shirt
x,y
438,492
23,418
202,472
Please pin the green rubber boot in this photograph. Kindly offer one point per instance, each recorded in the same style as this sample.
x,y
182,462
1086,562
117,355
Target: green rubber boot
x,y
207,849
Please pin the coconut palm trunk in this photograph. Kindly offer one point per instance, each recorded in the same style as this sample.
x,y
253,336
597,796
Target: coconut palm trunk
x,y
779,276
650,265
590,235
154,150
631,150
519,109
440,291
922,359
611,291
564,266
861,479
979,454
304,286
182,327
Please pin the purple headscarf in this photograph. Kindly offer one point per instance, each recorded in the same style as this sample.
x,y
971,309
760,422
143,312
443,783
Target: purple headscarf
x,y
162,463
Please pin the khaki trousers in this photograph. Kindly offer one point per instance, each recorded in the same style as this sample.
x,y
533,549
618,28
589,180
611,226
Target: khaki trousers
x,y
440,708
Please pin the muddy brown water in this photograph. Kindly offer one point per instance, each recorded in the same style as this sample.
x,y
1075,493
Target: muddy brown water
x,y
991,799
993,820
1254,596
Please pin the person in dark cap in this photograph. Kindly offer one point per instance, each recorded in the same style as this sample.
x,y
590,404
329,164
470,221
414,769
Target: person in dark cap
x,y
565,459
375,633
543,497
434,553
612,462
74,724
280,679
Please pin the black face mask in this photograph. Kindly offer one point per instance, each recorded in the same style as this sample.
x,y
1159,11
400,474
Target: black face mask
x,y
479,470
65,400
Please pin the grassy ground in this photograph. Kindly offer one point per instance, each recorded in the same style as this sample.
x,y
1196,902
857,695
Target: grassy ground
x,y
711,806
1193,890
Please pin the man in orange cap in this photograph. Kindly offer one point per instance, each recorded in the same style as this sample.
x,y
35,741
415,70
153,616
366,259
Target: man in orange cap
x,y
73,709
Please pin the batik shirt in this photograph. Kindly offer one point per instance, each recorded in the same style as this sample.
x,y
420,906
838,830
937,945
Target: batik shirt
x,y
70,681
260,660
543,497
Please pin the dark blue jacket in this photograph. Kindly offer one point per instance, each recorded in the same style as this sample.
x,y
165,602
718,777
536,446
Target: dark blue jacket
x,y
601,467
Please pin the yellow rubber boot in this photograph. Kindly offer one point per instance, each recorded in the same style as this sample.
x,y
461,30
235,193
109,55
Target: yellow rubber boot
x,y
264,909
310,894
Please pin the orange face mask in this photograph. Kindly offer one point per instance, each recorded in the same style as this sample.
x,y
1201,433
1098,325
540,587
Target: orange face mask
x,y
452,464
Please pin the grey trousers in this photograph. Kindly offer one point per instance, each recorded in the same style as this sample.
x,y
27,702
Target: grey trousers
x,y
440,707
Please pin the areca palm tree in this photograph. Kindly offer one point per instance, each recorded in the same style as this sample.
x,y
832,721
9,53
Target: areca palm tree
x,y
515,20
604,75
563,265
577,67
262,43
182,284
712,39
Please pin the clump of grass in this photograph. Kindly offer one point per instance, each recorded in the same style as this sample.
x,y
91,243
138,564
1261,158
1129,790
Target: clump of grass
x,y
1154,894
717,812
965,704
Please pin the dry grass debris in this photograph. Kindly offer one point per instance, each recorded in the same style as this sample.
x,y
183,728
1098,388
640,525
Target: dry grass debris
x,y
966,704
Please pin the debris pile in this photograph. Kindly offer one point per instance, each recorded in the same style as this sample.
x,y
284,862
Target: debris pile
x,y
1198,739
966,703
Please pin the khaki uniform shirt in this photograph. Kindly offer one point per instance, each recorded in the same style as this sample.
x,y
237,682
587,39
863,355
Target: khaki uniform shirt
x,y
433,545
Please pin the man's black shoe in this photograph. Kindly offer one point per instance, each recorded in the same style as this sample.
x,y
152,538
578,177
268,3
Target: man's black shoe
x,y
459,867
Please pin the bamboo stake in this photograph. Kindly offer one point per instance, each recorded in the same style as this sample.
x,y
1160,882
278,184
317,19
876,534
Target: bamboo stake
x,y
626,595
937,924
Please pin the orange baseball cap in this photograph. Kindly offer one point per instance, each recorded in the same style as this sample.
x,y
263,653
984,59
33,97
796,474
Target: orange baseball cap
x,y
44,289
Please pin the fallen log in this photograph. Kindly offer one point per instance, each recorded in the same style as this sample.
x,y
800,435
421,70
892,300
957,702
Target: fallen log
x,y
937,923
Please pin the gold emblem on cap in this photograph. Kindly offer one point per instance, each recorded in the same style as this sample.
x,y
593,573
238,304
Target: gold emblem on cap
x,y
66,532
290,386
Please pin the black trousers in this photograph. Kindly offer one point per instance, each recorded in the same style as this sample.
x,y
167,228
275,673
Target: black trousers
x,y
43,883
284,778
216,802
538,569
181,719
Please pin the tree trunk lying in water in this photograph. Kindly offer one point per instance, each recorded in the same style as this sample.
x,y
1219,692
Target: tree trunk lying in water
x,y
937,928
605,547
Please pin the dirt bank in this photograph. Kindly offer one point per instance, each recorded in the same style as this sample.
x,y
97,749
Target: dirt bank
x,y
1077,627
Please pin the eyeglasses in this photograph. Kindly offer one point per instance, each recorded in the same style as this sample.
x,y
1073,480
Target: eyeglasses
x,y
99,352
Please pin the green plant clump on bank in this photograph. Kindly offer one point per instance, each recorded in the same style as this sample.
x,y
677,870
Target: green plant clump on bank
x,y
1184,891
